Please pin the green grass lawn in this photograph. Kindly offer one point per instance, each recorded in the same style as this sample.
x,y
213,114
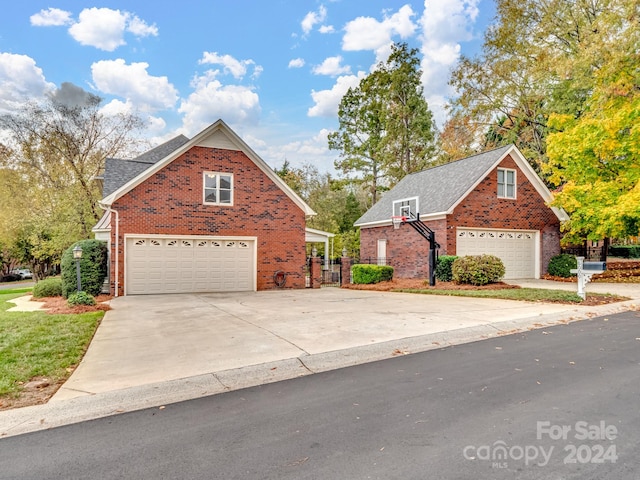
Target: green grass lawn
x,y
36,344
522,294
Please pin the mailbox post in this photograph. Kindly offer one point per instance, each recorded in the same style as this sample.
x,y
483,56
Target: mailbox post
x,y
585,271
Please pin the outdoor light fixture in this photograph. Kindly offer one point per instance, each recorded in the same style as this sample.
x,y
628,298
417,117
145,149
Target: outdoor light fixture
x,y
314,252
344,252
77,255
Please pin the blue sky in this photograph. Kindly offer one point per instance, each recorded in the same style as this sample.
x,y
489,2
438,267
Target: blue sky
x,y
273,70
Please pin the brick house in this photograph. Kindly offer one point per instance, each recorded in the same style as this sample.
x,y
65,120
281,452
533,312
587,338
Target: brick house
x,y
493,203
205,214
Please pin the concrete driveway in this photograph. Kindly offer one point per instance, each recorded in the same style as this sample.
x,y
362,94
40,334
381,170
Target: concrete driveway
x,y
150,339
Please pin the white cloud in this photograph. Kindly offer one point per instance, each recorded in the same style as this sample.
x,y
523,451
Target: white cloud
x,y
296,63
237,68
328,101
104,28
307,148
140,28
52,17
313,18
367,33
331,66
445,23
134,83
326,29
20,80
212,100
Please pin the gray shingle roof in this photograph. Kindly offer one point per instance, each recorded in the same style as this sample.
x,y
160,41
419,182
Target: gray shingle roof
x,y
437,188
117,171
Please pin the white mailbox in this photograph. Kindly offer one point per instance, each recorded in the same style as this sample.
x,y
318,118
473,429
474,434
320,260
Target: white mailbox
x,y
585,271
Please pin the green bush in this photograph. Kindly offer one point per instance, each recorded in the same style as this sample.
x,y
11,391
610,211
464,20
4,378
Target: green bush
x,y
368,274
80,298
93,267
49,287
477,269
443,267
560,265
624,251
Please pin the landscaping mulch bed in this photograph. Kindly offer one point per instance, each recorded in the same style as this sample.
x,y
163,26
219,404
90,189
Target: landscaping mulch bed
x,y
593,299
619,271
417,284
56,305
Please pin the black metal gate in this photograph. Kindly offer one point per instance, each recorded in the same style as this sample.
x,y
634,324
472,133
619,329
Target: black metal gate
x,y
330,273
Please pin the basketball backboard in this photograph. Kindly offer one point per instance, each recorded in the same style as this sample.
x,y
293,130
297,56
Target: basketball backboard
x,y
406,207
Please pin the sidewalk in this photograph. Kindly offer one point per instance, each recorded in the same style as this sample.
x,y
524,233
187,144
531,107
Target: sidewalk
x,y
153,350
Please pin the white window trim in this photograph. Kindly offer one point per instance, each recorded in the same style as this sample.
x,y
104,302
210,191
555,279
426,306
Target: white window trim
x,y
218,174
515,183
409,199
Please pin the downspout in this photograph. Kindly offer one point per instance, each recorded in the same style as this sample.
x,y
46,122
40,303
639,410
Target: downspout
x,y
111,210
117,249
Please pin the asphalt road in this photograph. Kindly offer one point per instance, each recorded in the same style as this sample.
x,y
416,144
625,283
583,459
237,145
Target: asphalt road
x,y
558,403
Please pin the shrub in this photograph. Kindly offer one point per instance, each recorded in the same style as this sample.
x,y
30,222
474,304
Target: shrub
x,y
477,269
368,274
49,287
93,267
625,251
443,267
560,265
80,298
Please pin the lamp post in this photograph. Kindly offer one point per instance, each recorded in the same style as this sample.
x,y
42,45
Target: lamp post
x,y
77,255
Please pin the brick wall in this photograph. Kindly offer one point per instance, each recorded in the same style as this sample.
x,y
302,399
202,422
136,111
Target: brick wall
x,y
170,202
483,209
407,250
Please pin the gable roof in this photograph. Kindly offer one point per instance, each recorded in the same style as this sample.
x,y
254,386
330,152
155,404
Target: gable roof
x,y
218,135
440,189
118,171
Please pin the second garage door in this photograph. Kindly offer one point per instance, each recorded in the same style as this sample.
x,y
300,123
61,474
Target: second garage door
x,y
189,264
516,248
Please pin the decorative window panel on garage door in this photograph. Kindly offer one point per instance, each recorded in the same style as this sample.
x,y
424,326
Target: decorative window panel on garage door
x,y
516,248
187,265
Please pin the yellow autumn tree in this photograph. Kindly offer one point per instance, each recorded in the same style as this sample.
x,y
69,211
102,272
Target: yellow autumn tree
x,y
596,159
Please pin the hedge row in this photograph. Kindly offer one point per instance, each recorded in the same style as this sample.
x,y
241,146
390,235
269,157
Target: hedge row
x,y
367,274
624,251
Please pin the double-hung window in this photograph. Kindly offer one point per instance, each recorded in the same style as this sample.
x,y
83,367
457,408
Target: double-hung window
x,y
218,188
506,183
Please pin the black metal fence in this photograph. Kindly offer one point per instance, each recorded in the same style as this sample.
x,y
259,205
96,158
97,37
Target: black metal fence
x,y
589,253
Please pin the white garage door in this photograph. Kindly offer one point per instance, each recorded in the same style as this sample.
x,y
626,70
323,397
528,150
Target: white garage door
x,y
190,264
516,248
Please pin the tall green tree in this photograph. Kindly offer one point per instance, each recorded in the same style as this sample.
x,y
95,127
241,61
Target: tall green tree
x,y
360,136
409,139
386,129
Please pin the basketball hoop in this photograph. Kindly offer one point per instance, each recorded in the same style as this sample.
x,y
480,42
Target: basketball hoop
x,y
398,220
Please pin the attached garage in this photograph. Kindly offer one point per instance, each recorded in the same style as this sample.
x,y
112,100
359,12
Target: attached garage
x,y
189,264
518,249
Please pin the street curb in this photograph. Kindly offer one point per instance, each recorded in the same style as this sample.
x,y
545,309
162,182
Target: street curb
x,y
64,412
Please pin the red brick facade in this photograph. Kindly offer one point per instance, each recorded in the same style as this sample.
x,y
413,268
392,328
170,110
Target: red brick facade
x,y
170,202
407,251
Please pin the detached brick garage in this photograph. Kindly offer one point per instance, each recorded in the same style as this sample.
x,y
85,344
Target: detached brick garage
x,y
491,203
201,215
